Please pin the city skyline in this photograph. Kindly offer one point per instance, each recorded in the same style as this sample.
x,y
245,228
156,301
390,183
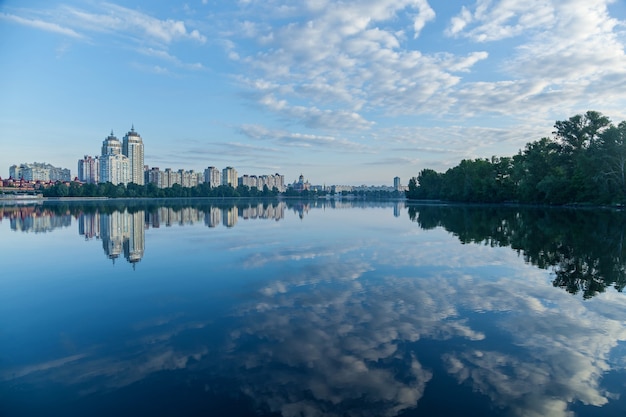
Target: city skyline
x,y
346,92
123,162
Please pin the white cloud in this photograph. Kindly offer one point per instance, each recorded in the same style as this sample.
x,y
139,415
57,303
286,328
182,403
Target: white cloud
x,y
286,138
314,117
553,67
108,18
42,25
500,19
336,59
118,18
425,15
151,35
166,56
458,23
349,55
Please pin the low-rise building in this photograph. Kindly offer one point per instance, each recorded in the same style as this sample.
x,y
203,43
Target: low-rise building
x,y
39,172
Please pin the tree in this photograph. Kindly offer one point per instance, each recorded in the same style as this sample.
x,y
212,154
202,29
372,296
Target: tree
x,y
412,193
429,184
611,152
59,189
581,131
243,191
533,165
90,190
75,189
576,136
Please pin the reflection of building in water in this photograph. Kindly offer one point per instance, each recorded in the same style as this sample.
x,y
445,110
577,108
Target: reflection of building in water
x,y
36,219
397,208
89,225
170,216
212,217
229,216
123,232
135,244
342,204
264,211
112,233
189,215
301,209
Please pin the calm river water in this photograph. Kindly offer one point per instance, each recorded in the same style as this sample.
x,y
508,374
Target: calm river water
x,y
198,308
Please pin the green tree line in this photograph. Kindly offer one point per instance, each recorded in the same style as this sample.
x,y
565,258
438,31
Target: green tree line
x,y
132,190
583,162
109,190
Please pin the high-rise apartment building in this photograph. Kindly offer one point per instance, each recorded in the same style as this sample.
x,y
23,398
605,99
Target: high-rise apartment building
x,y
155,176
132,148
111,145
89,169
114,166
229,176
114,169
396,183
213,177
271,181
190,178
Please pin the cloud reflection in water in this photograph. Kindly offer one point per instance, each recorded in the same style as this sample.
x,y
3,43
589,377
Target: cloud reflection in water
x,y
340,326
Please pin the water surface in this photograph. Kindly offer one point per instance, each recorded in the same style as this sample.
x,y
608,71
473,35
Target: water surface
x,y
196,308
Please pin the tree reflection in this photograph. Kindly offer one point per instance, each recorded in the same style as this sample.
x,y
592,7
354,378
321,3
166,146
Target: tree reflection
x,y
584,248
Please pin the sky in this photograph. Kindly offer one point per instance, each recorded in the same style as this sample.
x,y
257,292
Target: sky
x,y
342,92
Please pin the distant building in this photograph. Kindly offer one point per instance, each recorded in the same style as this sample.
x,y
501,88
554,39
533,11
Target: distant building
x,y
155,176
370,188
341,188
169,177
132,148
114,169
247,180
89,169
271,181
213,177
396,183
114,166
111,145
229,177
190,178
301,184
39,172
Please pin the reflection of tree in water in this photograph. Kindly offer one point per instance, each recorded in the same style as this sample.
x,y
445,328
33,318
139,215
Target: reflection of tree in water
x,y
584,248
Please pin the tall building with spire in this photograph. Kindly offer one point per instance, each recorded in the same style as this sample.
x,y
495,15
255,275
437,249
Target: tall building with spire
x,y
132,148
114,167
111,145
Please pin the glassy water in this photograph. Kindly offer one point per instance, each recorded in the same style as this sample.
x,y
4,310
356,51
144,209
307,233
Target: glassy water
x,y
198,308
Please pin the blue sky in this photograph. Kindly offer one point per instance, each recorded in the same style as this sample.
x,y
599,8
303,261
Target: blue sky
x,y
350,92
